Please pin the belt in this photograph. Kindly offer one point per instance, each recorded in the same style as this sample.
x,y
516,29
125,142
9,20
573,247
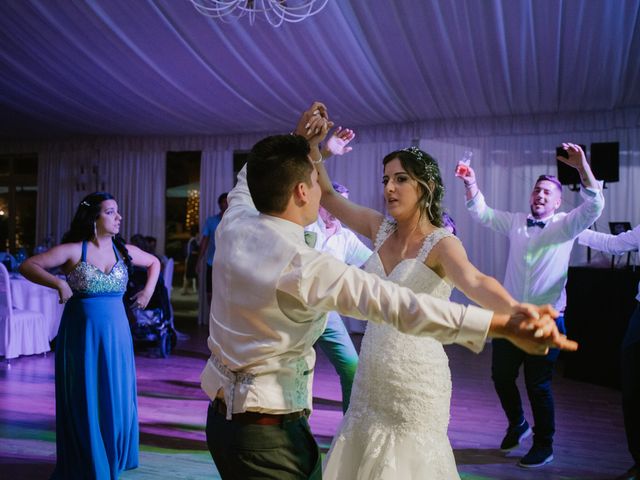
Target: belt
x,y
256,418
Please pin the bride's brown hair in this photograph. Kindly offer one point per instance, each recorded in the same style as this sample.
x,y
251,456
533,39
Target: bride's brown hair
x,y
424,169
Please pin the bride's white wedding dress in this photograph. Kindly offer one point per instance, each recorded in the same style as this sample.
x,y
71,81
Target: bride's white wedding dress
x,y
396,425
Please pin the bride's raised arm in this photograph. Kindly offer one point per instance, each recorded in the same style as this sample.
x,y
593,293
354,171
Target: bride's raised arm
x,y
363,220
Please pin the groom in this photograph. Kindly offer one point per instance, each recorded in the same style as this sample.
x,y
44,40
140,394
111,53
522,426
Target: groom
x,y
271,295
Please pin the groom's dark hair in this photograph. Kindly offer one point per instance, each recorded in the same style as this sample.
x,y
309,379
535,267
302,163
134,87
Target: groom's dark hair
x,y
275,166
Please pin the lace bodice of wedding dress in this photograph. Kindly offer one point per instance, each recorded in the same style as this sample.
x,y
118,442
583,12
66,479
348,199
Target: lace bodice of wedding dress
x,y
396,425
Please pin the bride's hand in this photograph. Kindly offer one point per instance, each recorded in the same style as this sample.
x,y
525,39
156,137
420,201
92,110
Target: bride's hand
x,y
312,121
531,328
337,143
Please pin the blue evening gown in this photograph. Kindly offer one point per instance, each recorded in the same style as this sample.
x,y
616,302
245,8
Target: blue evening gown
x,y
96,403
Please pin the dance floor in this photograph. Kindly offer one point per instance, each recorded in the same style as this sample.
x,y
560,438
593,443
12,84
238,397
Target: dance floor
x,y
589,442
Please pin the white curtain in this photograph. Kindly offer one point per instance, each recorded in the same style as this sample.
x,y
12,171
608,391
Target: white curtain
x,y
59,191
216,177
136,179
509,154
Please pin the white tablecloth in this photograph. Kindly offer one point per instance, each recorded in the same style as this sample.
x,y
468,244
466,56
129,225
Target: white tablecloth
x,y
27,295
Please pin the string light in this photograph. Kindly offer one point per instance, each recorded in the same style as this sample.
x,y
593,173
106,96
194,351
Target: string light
x,y
193,209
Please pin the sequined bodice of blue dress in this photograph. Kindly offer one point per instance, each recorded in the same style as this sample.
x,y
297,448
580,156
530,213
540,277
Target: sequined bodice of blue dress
x,y
87,280
96,402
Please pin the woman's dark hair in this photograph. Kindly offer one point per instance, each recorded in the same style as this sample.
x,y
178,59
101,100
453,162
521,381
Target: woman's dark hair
x,y
424,169
83,224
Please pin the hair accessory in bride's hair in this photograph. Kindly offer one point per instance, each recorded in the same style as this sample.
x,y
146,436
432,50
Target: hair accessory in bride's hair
x,y
430,166
85,203
416,152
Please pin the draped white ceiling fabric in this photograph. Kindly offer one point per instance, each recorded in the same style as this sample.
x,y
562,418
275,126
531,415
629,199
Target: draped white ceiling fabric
x,y
157,67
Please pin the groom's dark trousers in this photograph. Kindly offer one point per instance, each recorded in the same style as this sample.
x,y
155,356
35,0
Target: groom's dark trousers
x,y
254,446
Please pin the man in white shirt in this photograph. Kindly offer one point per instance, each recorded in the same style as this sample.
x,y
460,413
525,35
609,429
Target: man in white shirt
x,y
332,237
537,265
617,245
270,298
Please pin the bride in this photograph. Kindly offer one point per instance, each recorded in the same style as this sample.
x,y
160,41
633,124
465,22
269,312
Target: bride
x,y
396,425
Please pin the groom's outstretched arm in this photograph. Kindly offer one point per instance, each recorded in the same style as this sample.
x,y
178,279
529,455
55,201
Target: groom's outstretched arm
x,y
318,281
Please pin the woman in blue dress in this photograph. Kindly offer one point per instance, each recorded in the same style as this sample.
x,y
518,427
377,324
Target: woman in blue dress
x,y
96,403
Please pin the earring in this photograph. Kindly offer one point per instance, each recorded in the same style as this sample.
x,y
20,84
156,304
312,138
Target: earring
x,y
95,230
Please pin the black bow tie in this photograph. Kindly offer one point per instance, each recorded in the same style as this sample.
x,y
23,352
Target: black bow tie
x,y
535,223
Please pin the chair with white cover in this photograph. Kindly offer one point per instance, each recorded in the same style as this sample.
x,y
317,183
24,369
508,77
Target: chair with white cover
x,y
22,332
168,275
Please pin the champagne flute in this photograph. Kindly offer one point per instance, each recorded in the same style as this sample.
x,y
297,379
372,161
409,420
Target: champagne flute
x,y
462,168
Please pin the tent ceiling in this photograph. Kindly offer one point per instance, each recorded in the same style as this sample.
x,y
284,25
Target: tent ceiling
x,y
157,67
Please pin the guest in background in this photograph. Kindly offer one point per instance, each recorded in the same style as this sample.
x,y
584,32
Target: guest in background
x,y
190,274
45,245
141,242
152,244
152,247
332,237
537,265
96,403
137,281
617,245
448,223
8,260
208,242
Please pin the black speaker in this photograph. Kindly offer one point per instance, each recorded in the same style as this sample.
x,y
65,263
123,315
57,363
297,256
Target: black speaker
x,y
566,174
605,161
619,227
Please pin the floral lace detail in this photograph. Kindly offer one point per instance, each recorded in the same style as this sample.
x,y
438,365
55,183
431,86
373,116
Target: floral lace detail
x,y
386,228
431,242
396,425
299,396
